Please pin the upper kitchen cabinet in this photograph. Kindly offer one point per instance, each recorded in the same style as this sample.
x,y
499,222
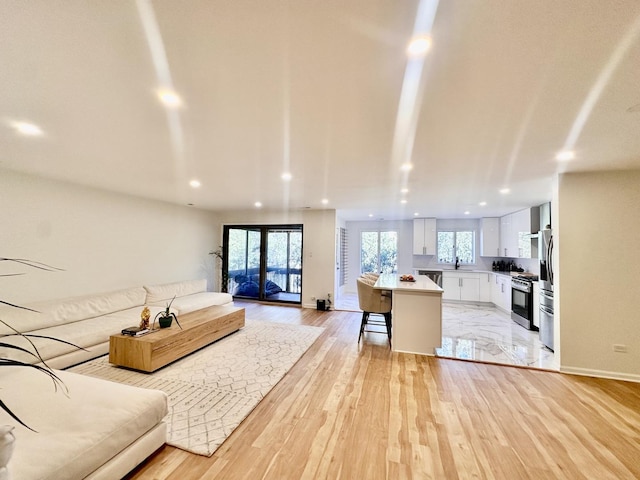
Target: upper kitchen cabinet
x,y
424,236
490,237
516,231
508,240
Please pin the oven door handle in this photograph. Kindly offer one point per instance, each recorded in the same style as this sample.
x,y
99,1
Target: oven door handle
x,y
520,289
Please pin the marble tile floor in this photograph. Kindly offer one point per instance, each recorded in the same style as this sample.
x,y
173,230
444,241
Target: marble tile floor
x,y
482,333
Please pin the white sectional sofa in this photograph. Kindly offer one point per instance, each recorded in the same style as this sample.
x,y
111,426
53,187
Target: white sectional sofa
x,y
100,429
88,321
96,430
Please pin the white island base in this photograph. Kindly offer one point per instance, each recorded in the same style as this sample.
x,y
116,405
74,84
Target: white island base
x,y
416,314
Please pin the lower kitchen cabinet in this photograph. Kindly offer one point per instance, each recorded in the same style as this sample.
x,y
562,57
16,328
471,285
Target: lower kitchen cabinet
x,y
477,287
485,280
460,286
501,292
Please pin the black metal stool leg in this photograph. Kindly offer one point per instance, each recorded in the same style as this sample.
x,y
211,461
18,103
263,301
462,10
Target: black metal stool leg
x,y
387,318
365,316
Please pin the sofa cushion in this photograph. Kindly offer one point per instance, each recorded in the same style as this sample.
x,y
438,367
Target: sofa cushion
x,y
78,432
58,312
196,301
163,292
85,333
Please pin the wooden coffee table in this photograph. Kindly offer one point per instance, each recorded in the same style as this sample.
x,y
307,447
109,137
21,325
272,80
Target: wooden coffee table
x,y
163,346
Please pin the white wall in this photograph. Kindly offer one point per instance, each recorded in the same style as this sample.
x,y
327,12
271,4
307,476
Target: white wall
x,y
597,238
318,243
103,241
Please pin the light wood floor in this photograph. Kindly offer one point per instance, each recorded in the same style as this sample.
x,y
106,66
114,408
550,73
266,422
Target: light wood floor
x,y
361,412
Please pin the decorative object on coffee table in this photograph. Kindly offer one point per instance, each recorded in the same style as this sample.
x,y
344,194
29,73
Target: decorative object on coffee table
x,y
144,318
166,316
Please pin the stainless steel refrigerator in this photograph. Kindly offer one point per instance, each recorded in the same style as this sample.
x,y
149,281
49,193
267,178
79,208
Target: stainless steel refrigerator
x,y
545,255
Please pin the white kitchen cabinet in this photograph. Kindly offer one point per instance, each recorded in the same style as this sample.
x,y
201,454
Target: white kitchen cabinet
x,y
490,237
515,231
501,292
461,286
424,236
451,287
469,289
521,227
508,240
485,280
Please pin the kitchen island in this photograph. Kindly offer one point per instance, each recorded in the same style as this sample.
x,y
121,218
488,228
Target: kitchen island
x,y
416,313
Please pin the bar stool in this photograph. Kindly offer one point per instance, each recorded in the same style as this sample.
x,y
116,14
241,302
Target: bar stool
x,y
373,302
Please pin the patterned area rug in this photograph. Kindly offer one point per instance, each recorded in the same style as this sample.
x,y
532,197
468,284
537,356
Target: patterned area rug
x,y
212,390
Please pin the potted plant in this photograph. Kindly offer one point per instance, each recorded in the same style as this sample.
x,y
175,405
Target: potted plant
x,y
224,275
7,361
166,316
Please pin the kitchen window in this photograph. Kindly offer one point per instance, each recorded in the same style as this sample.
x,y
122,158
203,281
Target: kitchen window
x,y
452,244
379,252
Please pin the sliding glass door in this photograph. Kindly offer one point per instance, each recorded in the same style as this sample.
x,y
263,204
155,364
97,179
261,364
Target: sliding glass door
x,y
284,263
242,247
263,262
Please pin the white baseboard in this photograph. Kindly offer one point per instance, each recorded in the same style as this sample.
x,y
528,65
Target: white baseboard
x,y
629,377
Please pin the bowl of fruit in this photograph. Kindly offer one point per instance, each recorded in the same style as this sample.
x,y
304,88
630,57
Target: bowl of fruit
x,y
407,278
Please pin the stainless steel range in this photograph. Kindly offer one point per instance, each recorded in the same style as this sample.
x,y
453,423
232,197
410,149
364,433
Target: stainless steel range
x,y
522,301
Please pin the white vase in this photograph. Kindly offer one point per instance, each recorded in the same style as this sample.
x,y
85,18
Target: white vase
x,y
7,444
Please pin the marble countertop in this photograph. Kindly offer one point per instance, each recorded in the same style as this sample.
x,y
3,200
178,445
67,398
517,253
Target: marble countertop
x,y
391,281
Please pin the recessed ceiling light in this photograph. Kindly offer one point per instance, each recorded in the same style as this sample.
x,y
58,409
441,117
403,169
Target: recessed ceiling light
x,y
194,183
169,98
258,204
405,167
404,200
504,191
415,214
565,155
286,176
467,212
404,190
370,215
483,204
325,201
419,46
25,128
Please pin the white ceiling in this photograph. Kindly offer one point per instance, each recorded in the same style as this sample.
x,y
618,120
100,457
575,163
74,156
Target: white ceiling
x,y
314,87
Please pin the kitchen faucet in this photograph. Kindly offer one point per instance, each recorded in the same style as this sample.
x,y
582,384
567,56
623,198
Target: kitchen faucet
x,y
457,264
